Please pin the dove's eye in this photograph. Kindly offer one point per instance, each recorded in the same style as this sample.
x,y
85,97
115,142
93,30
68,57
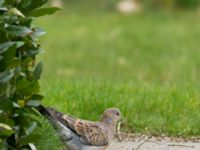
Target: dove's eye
x,y
117,114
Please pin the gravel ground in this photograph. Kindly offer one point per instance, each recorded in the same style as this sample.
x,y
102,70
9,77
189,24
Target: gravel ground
x,y
155,143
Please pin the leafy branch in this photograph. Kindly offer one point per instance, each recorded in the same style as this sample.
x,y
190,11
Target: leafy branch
x,y
19,71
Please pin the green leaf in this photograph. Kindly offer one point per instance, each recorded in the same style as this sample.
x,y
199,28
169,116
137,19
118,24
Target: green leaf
x,y
15,105
17,12
37,32
6,76
6,104
3,37
35,100
4,119
38,70
20,31
31,138
25,3
1,2
36,113
5,129
26,87
4,47
3,9
5,126
32,146
31,116
28,5
34,103
36,97
32,127
8,57
21,103
44,11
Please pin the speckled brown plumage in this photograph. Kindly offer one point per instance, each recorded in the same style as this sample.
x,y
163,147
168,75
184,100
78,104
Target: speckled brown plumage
x,y
98,133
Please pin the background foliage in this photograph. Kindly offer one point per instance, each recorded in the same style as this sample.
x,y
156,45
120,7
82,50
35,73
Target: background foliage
x,y
145,63
150,4
19,72
171,4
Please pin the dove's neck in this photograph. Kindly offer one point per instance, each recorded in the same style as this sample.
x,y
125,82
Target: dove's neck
x,y
111,123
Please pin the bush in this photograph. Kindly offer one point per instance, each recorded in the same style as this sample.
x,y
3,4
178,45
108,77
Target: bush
x,y
19,74
171,4
187,3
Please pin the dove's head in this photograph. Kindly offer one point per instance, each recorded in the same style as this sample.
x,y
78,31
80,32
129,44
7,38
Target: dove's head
x,y
111,116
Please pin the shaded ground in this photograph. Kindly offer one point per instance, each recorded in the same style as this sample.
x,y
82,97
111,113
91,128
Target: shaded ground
x,y
152,143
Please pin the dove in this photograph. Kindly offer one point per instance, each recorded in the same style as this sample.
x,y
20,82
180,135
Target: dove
x,y
79,134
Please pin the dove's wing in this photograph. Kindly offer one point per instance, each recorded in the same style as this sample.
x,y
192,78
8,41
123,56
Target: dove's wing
x,y
93,133
97,134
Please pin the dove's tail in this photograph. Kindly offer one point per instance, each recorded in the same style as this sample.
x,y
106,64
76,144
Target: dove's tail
x,y
66,120
54,117
64,133
47,112
48,115
42,110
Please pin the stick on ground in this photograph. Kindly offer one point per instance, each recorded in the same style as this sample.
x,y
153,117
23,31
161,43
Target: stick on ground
x,y
145,140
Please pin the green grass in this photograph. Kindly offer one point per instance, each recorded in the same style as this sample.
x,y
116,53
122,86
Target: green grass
x,y
146,64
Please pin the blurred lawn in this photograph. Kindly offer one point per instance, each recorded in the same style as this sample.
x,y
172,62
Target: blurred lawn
x,y
146,64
